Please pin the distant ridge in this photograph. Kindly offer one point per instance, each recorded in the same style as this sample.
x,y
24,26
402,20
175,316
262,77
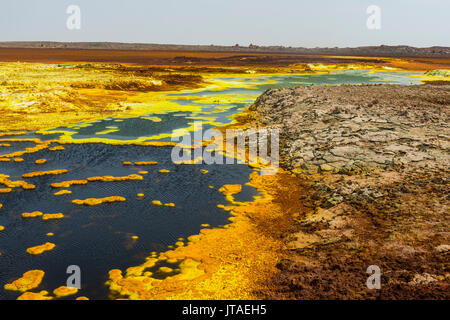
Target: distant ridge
x,y
383,50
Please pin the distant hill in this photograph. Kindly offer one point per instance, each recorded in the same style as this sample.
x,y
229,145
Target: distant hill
x,y
382,50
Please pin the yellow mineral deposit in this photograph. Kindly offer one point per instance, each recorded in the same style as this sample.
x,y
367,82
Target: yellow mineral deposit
x,y
207,260
204,171
57,148
2,228
64,291
68,184
62,192
52,216
18,160
41,161
111,178
108,130
140,195
33,214
145,163
229,190
5,190
39,145
170,204
21,133
157,203
208,266
50,234
82,298
15,184
164,171
57,96
43,173
143,172
43,295
97,201
197,160
41,248
29,281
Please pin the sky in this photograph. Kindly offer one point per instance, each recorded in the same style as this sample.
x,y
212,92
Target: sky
x,y
297,23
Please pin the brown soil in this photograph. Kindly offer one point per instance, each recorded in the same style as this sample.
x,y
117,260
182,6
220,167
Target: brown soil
x,y
374,162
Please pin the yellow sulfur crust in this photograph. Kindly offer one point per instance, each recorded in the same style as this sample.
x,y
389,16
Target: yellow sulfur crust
x,y
51,216
30,280
208,263
33,214
43,295
62,192
41,248
43,173
64,291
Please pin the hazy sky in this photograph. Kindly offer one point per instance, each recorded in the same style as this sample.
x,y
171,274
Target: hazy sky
x,y
325,23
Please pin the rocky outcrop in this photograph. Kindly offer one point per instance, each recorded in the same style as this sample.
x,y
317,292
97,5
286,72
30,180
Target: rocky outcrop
x,y
375,161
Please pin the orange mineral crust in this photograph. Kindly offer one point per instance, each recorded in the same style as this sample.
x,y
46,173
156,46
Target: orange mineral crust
x,y
67,184
57,148
52,216
33,214
43,295
43,173
111,178
97,201
41,248
145,163
41,161
64,291
14,184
